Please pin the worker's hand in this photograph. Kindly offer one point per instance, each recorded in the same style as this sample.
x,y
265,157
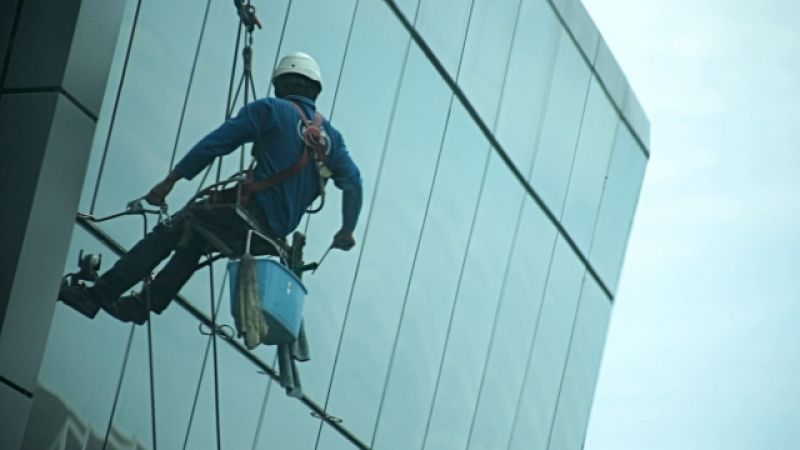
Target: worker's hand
x,y
158,194
343,240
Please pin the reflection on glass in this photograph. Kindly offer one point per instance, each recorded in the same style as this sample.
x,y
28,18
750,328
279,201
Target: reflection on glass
x,y
517,316
389,251
386,320
486,56
80,368
562,121
489,244
181,360
446,41
530,70
537,401
591,162
620,195
134,412
583,364
421,338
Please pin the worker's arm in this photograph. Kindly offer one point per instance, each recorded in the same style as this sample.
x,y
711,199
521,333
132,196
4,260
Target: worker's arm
x,y
346,177
252,118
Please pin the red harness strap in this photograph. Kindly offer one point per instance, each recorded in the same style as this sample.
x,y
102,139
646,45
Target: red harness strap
x,y
251,187
313,141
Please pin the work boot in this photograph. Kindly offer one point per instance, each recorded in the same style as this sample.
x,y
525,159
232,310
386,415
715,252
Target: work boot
x,y
80,298
128,308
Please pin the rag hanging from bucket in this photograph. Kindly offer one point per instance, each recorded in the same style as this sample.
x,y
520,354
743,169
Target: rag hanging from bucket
x,y
249,318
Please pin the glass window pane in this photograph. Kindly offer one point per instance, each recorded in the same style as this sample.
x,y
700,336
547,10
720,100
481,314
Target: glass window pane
x,y
620,195
132,419
485,61
478,294
537,402
241,388
447,42
411,384
559,135
151,102
530,68
591,162
583,364
179,353
515,327
389,248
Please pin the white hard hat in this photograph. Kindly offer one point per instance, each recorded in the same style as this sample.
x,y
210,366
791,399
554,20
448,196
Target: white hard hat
x,y
299,63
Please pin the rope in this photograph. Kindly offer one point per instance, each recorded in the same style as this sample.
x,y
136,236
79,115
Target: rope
x,y
215,358
229,101
119,387
203,366
197,394
150,360
116,107
367,222
264,405
283,33
338,84
189,87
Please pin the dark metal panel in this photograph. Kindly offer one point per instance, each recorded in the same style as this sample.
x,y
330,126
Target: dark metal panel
x,y
95,39
14,409
24,121
8,18
49,175
42,43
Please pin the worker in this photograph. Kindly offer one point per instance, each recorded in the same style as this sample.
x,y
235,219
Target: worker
x,y
277,125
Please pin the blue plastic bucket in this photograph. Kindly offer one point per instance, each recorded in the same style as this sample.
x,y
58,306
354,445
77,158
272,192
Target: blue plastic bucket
x,y
282,296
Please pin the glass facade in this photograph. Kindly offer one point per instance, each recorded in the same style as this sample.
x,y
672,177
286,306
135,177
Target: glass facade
x,y
472,313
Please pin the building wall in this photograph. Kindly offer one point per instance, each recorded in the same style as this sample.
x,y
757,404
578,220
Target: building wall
x,y
470,315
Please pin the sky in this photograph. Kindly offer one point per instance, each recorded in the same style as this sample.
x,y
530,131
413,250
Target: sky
x,y
703,349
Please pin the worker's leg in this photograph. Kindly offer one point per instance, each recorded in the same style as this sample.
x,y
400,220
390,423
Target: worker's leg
x,y
175,274
163,288
139,262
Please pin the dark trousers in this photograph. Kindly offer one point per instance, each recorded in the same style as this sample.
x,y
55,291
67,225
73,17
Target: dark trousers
x,y
143,258
148,253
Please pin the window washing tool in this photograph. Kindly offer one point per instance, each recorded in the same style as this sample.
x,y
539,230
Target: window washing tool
x,y
319,263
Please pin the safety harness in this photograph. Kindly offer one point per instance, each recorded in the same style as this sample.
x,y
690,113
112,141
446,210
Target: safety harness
x,y
315,144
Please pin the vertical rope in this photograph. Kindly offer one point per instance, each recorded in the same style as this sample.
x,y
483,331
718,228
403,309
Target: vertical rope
x,y
189,87
264,405
203,367
116,107
119,387
197,394
229,101
150,361
338,84
215,358
280,39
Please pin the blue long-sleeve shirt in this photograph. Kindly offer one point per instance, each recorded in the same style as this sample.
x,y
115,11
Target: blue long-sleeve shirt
x,y
275,126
